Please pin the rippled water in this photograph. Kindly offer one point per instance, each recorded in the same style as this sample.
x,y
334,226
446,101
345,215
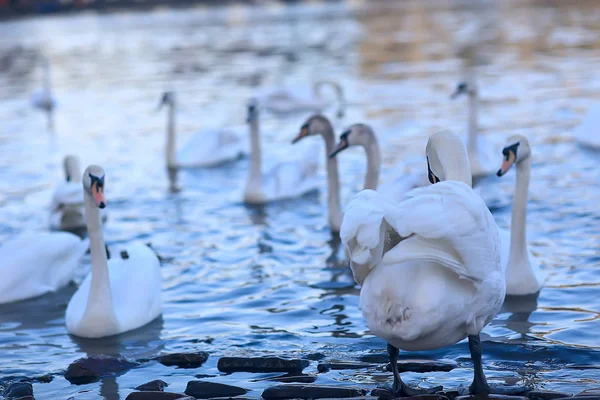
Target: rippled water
x,y
255,281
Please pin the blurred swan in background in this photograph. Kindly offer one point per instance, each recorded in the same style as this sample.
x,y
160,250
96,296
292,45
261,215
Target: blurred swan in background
x,y
43,99
442,279
587,132
523,274
481,152
284,180
37,263
294,99
207,148
120,294
66,206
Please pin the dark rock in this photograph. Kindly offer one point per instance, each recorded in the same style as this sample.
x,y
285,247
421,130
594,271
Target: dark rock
x,y
310,392
423,366
585,397
157,396
183,360
292,378
43,379
590,392
546,395
208,390
382,394
91,369
261,364
18,389
25,398
153,386
491,397
377,358
202,376
315,356
338,365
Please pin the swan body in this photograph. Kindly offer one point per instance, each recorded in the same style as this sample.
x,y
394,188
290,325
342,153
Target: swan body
x,y
441,279
523,273
38,263
294,100
207,148
66,205
481,152
587,133
284,180
120,294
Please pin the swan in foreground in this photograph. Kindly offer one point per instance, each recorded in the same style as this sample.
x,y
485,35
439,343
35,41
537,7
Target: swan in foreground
x,y
523,274
284,180
442,279
120,294
38,263
481,152
587,133
285,101
43,99
205,149
66,206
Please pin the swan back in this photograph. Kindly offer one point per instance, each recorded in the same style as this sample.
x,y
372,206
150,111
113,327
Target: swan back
x,y
447,158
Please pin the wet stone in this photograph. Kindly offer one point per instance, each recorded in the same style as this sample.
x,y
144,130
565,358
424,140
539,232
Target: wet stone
x,y
183,360
209,390
261,364
315,356
383,394
91,369
300,378
546,395
153,386
16,390
310,392
590,392
158,395
585,397
340,365
423,366
491,397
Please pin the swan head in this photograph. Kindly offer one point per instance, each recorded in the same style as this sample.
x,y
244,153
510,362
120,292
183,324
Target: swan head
x,y
252,110
463,88
516,150
167,99
93,183
71,167
355,135
447,158
315,125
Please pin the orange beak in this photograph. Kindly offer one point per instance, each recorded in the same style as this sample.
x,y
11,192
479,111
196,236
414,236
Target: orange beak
x,y
98,194
507,163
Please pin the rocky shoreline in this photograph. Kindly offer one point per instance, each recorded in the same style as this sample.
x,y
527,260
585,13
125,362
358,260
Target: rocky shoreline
x,y
294,384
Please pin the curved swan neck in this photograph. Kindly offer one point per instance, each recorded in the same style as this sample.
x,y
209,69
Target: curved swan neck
x,y
339,93
333,181
373,163
170,148
518,228
99,303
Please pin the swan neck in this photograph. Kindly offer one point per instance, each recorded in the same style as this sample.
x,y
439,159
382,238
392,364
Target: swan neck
x,y
333,182
373,163
255,157
518,228
99,302
170,150
473,128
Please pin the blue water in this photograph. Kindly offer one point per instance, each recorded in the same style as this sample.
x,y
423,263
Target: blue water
x,y
272,280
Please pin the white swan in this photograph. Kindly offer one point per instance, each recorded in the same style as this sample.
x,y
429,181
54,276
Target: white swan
x,y
587,133
43,99
358,134
523,274
293,100
481,152
120,294
442,279
205,149
37,263
66,206
284,180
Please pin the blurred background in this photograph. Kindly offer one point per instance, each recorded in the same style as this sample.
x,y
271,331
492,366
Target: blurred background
x,y
272,280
